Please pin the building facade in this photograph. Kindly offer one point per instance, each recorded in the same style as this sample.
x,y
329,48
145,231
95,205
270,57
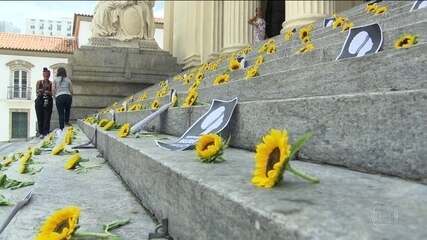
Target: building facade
x,y
22,58
196,31
6,26
49,27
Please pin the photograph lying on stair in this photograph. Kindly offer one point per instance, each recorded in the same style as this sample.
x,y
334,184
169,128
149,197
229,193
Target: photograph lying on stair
x,y
327,22
215,120
361,41
419,4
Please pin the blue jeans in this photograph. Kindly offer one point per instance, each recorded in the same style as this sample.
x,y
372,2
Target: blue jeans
x,y
63,104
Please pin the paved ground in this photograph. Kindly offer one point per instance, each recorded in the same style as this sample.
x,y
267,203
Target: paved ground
x,y
99,192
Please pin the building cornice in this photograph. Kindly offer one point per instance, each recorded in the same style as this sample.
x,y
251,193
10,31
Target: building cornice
x,y
34,53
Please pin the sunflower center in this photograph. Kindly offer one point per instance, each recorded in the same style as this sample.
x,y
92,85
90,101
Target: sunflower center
x,y
63,224
273,158
207,146
405,41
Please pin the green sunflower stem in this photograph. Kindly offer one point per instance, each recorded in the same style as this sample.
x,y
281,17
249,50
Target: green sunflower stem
x,y
302,175
80,235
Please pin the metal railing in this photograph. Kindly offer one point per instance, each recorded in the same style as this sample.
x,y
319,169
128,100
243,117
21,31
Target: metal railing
x,y
17,92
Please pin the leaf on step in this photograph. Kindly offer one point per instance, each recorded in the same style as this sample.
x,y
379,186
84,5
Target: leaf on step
x,y
7,183
4,201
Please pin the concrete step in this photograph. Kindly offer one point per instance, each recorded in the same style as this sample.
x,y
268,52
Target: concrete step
x,y
217,201
385,71
94,101
99,193
331,49
376,132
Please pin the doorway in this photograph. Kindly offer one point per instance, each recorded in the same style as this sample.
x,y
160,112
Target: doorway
x,y
19,125
274,16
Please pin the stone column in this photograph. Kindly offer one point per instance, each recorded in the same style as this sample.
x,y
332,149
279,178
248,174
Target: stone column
x,y
168,26
237,30
304,12
217,29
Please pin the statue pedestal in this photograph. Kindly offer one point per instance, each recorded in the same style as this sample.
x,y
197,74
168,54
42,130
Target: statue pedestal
x,y
133,43
104,74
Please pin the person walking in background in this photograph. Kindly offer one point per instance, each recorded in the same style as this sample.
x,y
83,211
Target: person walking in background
x,y
259,25
63,91
44,103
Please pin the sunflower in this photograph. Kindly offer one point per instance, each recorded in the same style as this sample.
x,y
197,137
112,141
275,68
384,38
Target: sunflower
x,y
209,147
405,41
259,60
143,96
24,161
339,21
346,26
124,130
58,148
120,109
155,104
371,7
213,66
191,98
135,107
381,10
187,78
205,67
271,48
72,162
221,79
271,157
200,76
263,48
233,64
195,85
308,47
61,225
305,32
68,138
8,160
288,35
252,72
90,120
109,125
103,122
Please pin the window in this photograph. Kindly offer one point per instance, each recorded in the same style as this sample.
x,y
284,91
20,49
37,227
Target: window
x,y
50,27
19,125
58,27
19,83
41,26
32,27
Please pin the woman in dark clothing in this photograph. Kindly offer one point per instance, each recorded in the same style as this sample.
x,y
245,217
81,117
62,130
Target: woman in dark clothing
x,y
44,103
63,91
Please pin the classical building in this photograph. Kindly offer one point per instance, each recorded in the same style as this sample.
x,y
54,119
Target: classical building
x,y
196,31
22,58
49,27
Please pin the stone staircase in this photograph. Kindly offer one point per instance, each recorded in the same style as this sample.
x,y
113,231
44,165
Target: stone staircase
x,y
368,116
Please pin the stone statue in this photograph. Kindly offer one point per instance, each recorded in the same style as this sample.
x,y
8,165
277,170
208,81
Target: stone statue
x,y
124,20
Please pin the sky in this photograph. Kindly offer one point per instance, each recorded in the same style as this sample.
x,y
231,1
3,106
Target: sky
x,y
18,11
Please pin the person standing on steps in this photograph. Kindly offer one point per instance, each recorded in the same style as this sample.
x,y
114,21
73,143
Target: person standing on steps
x,y
259,25
44,103
63,91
